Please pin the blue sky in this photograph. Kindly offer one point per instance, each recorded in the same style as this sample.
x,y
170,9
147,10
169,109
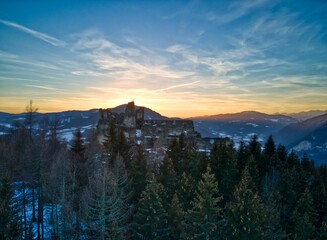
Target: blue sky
x,y
181,58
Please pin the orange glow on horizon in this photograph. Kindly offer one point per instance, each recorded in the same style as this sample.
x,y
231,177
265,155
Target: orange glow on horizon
x,y
181,111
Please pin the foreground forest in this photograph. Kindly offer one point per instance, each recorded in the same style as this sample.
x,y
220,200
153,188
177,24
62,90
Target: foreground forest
x,y
114,190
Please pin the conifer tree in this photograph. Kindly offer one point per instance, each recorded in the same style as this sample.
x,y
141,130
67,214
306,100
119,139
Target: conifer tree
x,y
246,216
138,173
182,152
78,147
323,230
9,219
304,217
268,155
79,176
269,148
168,176
186,191
204,217
176,219
224,166
255,148
150,220
106,207
318,192
274,229
288,198
242,157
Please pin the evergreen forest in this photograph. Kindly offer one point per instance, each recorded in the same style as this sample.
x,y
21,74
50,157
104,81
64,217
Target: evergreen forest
x,y
86,190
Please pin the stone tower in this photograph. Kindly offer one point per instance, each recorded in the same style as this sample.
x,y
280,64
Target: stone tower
x,y
130,118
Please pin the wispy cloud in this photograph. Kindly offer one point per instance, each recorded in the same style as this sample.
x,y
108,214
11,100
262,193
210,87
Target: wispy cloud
x,y
44,37
177,86
122,63
44,87
236,10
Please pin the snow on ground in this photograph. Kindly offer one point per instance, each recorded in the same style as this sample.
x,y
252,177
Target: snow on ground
x,y
47,210
252,124
7,125
303,146
274,120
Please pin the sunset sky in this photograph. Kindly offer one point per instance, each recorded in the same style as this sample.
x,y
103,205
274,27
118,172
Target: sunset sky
x,y
180,58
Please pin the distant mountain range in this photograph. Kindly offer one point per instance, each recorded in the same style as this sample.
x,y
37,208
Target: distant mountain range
x,y
304,132
301,116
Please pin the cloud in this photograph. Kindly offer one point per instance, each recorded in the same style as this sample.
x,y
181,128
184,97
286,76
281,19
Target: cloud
x,y
236,10
44,37
122,63
43,87
177,86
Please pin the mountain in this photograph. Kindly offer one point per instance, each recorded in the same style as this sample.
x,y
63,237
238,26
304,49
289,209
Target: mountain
x,y
302,116
241,125
309,136
297,131
148,113
67,122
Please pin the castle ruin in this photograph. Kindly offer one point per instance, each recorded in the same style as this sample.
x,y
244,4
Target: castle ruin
x,y
148,132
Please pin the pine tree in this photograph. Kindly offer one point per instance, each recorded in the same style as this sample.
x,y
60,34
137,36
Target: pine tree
x,y
288,197
138,173
79,176
9,219
78,147
224,166
168,176
255,148
274,229
242,157
323,230
268,155
270,148
318,192
182,152
176,219
246,217
282,156
186,191
150,220
304,217
204,217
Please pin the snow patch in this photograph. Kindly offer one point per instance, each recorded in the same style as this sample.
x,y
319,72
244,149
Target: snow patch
x,y
252,124
5,125
302,146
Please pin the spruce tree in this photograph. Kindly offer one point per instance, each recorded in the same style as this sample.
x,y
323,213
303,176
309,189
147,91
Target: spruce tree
x,y
246,216
9,219
323,230
186,191
168,176
138,174
150,220
304,217
242,157
224,166
176,219
79,176
204,217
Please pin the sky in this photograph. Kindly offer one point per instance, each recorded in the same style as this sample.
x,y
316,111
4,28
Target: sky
x,y
180,58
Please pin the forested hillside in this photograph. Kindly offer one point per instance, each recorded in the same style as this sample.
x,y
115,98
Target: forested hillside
x,y
115,190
